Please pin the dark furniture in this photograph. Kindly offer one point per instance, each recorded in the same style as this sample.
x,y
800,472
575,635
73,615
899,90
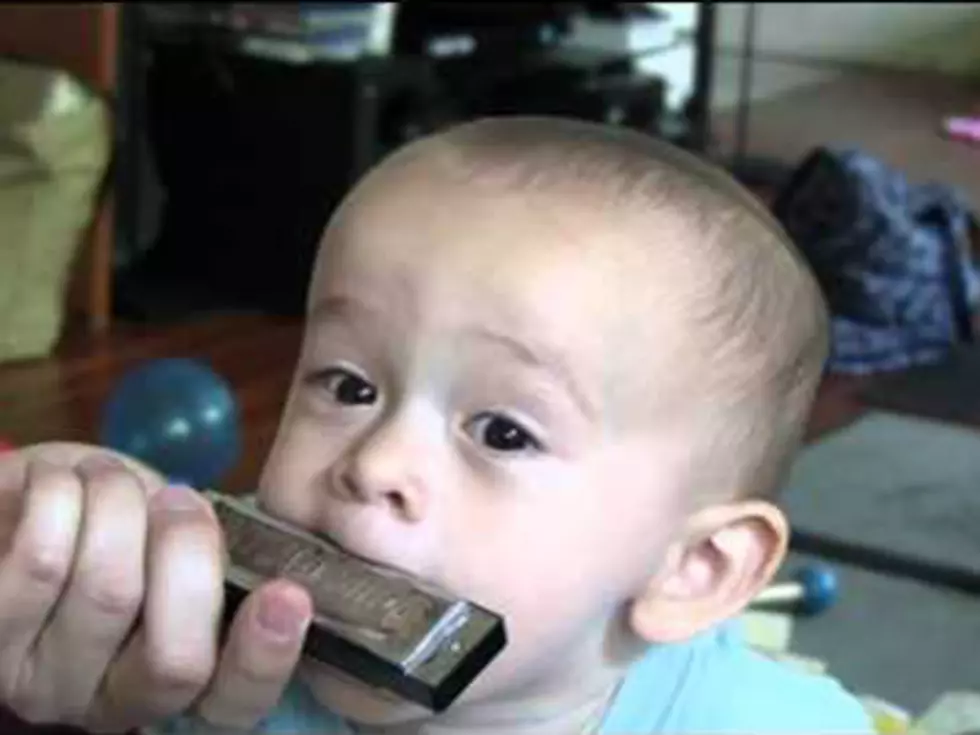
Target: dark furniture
x,y
252,155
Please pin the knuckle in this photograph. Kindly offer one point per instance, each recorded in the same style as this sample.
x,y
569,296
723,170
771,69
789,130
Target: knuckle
x,y
55,477
118,476
113,482
54,482
47,564
114,600
173,672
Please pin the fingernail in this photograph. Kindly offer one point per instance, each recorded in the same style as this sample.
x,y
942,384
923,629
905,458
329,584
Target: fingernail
x,y
176,499
281,616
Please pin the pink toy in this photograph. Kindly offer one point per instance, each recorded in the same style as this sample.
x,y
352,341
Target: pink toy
x,y
966,129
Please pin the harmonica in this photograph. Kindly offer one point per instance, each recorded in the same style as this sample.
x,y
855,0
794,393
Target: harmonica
x,y
377,624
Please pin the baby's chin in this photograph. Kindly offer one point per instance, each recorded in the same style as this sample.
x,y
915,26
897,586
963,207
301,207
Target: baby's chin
x,y
355,701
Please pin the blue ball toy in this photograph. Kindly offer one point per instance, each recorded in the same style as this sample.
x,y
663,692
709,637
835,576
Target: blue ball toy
x,y
177,416
814,589
820,588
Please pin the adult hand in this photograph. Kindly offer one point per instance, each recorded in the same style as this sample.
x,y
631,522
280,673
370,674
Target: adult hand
x,y
111,595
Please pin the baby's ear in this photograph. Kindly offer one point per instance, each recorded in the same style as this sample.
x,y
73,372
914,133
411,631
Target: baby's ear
x,y
726,556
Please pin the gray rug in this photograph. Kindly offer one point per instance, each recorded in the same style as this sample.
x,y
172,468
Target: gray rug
x,y
898,484
909,487
904,641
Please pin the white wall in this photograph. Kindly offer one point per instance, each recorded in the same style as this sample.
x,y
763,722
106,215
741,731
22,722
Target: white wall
x,y
936,36
673,35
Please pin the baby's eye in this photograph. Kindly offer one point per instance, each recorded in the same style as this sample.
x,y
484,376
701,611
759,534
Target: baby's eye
x,y
502,434
346,387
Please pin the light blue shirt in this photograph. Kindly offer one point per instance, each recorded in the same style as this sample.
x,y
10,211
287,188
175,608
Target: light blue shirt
x,y
712,684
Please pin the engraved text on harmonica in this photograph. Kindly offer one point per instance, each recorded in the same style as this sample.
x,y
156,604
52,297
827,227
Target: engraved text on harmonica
x,y
342,587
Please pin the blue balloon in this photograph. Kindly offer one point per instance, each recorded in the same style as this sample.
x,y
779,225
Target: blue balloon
x,y
177,416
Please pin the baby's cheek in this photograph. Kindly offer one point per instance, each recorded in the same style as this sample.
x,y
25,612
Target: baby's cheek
x,y
554,613
547,640
296,467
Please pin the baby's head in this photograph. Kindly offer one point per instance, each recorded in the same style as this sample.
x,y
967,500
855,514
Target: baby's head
x,y
559,368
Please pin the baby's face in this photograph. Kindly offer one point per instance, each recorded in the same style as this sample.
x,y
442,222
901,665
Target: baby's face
x,y
475,403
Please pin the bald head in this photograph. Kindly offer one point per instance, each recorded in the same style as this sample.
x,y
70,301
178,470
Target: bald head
x,y
754,314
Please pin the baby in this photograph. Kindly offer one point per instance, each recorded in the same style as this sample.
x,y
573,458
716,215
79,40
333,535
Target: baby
x,y
557,367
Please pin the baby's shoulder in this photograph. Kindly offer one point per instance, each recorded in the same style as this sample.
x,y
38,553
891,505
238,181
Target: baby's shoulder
x,y
758,694
719,685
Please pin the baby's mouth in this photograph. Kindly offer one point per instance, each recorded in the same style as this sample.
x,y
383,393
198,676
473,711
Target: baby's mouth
x,y
340,545
348,545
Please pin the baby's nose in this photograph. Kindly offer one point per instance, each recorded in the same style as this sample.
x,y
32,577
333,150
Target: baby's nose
x,y
384,470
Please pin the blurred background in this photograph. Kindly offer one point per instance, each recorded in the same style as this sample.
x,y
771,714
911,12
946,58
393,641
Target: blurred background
x,y
166,169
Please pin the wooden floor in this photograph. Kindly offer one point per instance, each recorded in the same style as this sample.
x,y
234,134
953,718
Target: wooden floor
x,y
62,397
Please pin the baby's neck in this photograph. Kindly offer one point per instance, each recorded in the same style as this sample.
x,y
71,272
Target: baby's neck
x,y
581,711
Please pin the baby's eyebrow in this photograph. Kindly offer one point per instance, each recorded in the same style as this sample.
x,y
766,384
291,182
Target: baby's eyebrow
x,y
533,354
339,305
540,357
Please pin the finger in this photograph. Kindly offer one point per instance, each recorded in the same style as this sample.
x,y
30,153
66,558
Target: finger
x,y
105,591
33,575
264,645
13,482
70,454
13,468
172,655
